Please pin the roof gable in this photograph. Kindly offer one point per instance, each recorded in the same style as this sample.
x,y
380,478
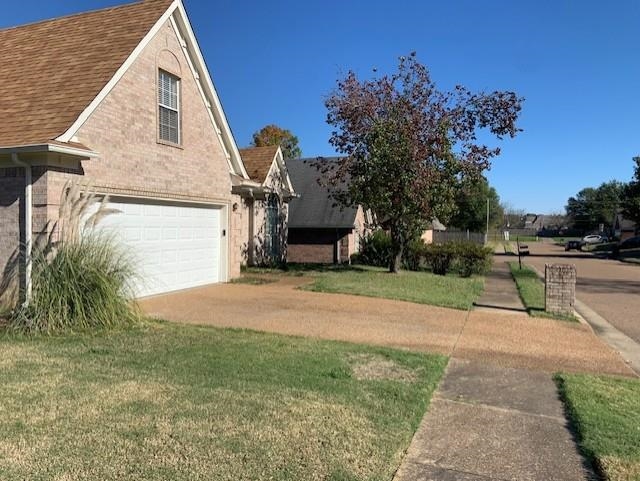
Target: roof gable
x,y
315,208
53,69
258,161
265,163
61,69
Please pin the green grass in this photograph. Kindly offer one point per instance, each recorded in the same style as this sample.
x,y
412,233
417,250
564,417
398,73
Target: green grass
x,y
510,248
165,401
605,412
254,280
531,290
524,238
561,241
420,287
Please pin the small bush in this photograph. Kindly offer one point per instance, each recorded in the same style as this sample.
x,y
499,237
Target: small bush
x,y
472,258
414,255
375,250
465,258
439,257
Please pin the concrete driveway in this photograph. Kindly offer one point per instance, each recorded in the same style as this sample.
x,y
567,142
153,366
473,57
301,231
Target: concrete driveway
x,y
506,340
609,287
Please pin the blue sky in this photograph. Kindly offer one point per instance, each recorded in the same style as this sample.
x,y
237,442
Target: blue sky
x,y
576,62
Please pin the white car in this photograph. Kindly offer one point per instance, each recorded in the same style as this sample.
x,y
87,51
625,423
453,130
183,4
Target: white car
x,y
593,239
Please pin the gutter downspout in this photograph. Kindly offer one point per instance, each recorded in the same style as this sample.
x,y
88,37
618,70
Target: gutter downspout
x,y
28,225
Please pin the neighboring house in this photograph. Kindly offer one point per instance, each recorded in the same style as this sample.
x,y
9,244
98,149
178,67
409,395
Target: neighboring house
x,y
624,228
264,206
428,235
121,99
534,222
319,230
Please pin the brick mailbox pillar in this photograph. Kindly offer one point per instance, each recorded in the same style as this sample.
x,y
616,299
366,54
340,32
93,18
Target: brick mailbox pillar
x,y
560,288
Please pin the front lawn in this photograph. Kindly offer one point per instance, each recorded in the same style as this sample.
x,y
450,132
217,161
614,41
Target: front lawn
x,y
178,402
531,290
421,287
605,412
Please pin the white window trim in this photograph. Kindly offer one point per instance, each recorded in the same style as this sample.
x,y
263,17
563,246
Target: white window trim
x,y
177,110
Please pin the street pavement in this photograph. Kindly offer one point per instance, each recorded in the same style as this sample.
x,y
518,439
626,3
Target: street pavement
x,y
609,287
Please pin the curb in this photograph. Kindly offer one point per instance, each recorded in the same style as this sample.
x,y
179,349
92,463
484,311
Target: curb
x,y
628,349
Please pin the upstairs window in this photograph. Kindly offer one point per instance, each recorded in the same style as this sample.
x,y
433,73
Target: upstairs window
x,y
169,107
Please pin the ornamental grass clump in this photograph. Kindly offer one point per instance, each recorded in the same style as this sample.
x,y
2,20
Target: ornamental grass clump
x,y
82,277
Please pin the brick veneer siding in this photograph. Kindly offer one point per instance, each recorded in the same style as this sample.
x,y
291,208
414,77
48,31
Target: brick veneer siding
x,y
124,131
560,288
239,233
12,187
11,209
318,245
310,253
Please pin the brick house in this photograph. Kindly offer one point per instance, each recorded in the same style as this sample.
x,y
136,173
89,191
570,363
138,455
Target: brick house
x,y
264,205
319,230
121,99
624,228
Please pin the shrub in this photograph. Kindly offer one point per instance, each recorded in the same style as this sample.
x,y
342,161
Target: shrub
x,y
439,257
83,279
414,255
375,250
465,258
472,258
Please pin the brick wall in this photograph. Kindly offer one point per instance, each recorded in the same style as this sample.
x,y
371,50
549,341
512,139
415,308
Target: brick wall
x,y
11,208
312,253
239,233
560,288
318,245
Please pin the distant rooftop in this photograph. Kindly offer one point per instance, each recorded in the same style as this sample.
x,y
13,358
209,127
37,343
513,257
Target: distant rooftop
x,y
315,208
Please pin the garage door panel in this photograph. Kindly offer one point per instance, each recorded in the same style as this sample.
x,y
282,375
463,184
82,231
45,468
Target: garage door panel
x,y
173,246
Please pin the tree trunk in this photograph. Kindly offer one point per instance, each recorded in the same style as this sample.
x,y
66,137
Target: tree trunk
x,y
395,261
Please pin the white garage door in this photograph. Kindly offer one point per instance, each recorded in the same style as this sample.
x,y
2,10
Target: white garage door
x,y
174,246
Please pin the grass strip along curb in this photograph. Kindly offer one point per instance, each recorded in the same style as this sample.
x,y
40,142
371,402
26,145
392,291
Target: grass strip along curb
x,y
605,413
531,290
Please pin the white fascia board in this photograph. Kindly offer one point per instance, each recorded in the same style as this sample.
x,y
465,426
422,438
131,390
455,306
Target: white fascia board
x,y
66,137
59,149
279,160
181,23
207,104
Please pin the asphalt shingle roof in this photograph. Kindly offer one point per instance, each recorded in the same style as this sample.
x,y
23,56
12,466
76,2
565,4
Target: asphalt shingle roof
x,y
52,70
258,160
315,208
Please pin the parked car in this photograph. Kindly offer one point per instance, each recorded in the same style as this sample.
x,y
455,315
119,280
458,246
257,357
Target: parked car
x,y
627,244
593,239
573,244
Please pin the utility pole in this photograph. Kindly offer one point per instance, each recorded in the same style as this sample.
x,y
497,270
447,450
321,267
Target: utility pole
x,y
486,235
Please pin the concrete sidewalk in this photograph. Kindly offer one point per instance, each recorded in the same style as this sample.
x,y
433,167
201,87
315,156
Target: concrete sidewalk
x,y
500,292
490,423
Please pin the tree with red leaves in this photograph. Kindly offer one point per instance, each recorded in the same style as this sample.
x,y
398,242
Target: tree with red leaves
x,y
407,145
